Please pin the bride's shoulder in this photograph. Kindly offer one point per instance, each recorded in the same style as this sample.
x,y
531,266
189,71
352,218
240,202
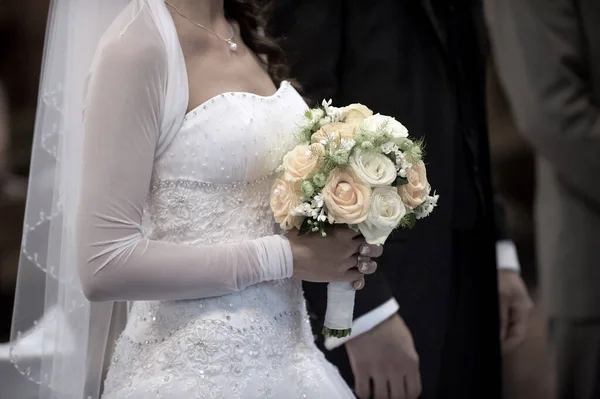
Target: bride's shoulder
x,y
132,39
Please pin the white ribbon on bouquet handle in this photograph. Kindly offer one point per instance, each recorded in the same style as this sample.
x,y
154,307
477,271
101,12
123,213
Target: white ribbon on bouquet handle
x,y
340,306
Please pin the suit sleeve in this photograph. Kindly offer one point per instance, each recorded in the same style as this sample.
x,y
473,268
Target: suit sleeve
x,y
541,51
311,33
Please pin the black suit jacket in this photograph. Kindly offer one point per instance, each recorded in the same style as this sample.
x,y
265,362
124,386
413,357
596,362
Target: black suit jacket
x,y
395,57
421,61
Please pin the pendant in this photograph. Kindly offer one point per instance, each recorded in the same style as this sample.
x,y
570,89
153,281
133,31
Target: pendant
x,y
232,45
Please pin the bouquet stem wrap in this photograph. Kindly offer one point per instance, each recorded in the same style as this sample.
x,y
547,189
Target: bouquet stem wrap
x,y
340,310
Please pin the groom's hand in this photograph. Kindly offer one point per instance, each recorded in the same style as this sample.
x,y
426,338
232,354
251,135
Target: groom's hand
x,y
385,363
515,308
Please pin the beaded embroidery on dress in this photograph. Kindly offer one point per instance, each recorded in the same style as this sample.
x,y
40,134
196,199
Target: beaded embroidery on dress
x,y
212,186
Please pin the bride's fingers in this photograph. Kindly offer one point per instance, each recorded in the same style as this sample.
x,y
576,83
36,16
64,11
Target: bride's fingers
x,y
373,251
366,265
359,284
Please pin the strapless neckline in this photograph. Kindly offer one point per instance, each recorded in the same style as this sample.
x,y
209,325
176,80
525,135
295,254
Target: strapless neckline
x,y
282,87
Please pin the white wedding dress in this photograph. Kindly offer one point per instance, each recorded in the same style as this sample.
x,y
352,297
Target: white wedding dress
x,y
256,343
177,222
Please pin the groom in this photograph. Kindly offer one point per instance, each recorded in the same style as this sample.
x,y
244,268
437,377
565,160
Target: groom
x,y
422,62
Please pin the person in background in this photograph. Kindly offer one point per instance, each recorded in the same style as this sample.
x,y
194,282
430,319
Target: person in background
x,y
548,58
525,371
423,62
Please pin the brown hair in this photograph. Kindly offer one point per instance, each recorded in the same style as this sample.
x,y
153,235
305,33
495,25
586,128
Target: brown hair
x,y
251,15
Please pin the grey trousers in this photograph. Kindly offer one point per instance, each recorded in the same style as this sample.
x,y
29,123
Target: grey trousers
x,y
576,345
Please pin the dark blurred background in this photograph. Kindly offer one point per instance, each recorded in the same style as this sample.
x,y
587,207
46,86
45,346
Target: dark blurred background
x,y
22,30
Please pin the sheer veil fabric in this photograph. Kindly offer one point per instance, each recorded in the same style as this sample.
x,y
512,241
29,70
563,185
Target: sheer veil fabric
x,y
60,340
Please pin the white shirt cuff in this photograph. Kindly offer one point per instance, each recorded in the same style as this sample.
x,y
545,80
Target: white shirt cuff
x,y
506,256
365,323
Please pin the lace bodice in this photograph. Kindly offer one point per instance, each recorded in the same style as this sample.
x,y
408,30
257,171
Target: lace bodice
x,y
233,138
212,184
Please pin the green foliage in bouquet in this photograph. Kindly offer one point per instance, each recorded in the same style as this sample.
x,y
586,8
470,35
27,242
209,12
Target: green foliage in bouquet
x,y
312,226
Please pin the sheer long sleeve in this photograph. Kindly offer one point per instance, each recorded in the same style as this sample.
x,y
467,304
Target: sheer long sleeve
x,y
124,104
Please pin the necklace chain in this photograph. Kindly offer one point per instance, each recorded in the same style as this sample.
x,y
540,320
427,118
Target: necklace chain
x,y
230,42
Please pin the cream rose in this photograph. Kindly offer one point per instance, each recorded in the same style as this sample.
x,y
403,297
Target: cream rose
x,y
355,113
335,130
384,216
417,189
346,197
285,197
373,167
398,131
301,162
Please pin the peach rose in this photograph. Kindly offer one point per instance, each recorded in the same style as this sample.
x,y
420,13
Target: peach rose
x,y
285,197
417,189
347,197
338,129
355,113
301,162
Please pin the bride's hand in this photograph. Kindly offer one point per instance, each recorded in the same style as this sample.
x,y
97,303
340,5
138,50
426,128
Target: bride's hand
x,y
365,263
341,256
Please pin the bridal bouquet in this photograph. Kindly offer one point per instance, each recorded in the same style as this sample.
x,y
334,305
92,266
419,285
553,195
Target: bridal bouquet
x,y
354,168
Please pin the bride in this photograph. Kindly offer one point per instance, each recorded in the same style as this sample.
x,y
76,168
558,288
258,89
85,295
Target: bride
x,y
160,198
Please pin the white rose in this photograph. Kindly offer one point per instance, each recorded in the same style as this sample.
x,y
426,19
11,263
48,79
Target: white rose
x,y
374,168
385,214
398,131
375,122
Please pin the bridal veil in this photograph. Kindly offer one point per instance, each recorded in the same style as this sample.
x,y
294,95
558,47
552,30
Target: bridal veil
x,y
60,341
